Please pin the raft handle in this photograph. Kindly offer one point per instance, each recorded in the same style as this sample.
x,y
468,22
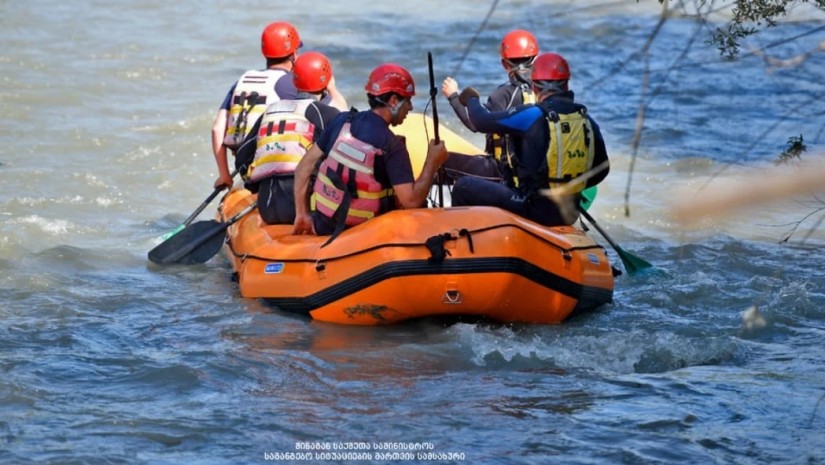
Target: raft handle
x,y
452,296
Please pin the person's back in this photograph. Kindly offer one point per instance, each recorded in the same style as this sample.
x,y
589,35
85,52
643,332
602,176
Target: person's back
x,y
544,135
518,50
364,170
249,97
280,138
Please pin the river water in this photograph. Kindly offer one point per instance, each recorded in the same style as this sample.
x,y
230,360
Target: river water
x,y
107,109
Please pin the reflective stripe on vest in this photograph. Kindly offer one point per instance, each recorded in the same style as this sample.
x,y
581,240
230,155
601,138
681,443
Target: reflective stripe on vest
x,y
348,171
254,90
283,139
571,149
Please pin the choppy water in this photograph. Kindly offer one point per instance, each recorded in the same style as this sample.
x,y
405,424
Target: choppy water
x,y
107,109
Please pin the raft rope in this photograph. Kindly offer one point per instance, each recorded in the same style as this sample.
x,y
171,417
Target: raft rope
x,y
462,232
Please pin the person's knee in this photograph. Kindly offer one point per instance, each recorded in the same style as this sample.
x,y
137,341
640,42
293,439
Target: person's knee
x,y
461,193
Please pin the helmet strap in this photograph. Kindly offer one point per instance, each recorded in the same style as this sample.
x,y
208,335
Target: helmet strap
x,y
519,71
545,89
521,75
394,110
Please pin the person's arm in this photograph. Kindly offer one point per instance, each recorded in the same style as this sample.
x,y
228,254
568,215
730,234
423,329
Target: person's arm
x,y
502,122
303,172
219,150
414,194
337,99
449,88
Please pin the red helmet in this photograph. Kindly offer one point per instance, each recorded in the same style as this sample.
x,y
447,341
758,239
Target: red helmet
x,y
519,44
280,39
550,67
311,72
390,77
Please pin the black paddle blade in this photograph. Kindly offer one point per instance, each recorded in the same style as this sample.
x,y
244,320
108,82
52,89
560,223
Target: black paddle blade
x,y
206,250
197,243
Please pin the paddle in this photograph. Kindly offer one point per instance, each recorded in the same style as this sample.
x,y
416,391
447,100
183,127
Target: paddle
x,y
196,212
631,262
588,197
196,243
439,177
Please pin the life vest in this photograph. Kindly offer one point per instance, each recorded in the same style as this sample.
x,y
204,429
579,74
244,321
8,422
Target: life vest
x,y
571,149
284,136
346,182
499,144
254,90
528,97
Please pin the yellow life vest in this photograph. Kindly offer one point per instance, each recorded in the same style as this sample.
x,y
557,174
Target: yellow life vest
x,y
253,92
283,139
527,96
571,149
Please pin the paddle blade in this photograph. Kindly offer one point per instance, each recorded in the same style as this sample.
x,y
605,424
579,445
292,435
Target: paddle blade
x,y
196,243
588,197
172,232
205,251
631,262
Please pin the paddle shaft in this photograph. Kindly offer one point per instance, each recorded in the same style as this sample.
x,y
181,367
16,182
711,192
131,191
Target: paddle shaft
x,y
439,177
599,228
218,229
631,262
207,202
195,213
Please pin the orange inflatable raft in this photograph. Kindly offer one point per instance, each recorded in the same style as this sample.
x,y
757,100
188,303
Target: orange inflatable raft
x,y
461,261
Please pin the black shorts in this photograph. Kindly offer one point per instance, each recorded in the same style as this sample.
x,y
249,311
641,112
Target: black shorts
x,y
276,199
